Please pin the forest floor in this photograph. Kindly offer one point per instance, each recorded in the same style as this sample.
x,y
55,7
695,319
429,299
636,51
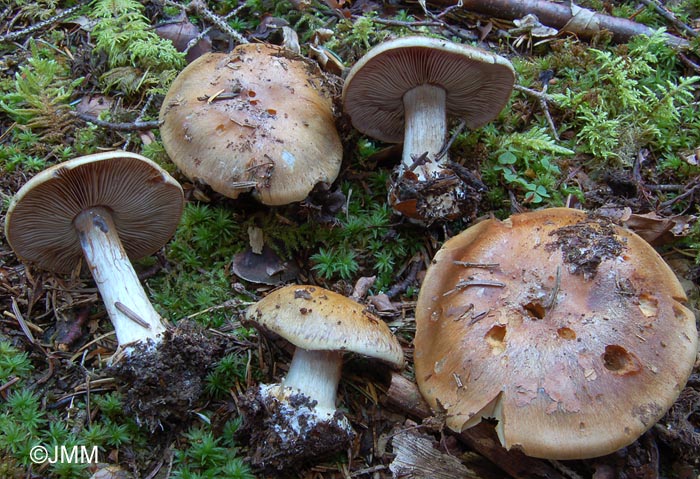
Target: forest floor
x,y
605,121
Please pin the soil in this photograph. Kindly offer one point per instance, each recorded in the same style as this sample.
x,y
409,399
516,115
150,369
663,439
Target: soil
x,y
269,426
587,244
161,386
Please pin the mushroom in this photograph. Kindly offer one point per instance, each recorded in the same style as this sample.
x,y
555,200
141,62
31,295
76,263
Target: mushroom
x,y
404,90
304,422
107,208
569,330
257,119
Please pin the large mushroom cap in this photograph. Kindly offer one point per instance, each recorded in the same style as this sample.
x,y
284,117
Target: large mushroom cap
x,y
145,201
317,319
477,83
568,329
257,118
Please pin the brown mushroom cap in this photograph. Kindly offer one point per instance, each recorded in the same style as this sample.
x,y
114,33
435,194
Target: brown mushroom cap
x,y
257,118
477,83
570,330
316,319
145,201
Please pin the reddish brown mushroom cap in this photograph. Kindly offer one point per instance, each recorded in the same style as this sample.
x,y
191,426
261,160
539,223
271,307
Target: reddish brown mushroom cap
x,y
477,83
257,119
570,330
145,202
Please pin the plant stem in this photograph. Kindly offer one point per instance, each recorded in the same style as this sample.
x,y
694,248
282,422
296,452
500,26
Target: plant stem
x,y
121,291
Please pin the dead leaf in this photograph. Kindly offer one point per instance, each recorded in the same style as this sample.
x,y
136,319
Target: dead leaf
x,y
181,32
362,286
382,303
658,230
110,471
263,268
93,105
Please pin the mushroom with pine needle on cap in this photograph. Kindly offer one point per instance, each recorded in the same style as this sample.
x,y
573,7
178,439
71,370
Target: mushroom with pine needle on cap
x,y
404,90
299,417
569,330
258,119
105,208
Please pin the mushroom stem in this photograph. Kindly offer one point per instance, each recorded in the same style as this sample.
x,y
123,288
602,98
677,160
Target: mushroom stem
x,y
425,129
132,314
316,374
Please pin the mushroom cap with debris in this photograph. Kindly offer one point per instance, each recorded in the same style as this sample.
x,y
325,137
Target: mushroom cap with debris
x,y
568,329
316,319
145,201
477,83
258,119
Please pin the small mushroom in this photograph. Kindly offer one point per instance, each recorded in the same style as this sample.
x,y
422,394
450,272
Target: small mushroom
x,y
323,325
257,119
569,330
404,90
107,208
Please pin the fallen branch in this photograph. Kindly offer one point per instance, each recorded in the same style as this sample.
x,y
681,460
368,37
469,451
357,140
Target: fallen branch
x,y
565,17
9,37
129,126
668,15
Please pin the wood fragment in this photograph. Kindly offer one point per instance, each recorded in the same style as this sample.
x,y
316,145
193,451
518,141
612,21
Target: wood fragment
x,y
468,264
22,323
565,17
118,126
668,15
418,458
40,25
403,394
131,315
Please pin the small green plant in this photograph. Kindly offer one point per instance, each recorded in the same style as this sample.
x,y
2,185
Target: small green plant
x,y
630,99
230,369
208,456
527,162
200,252
136,56
335,262
12,362
38,98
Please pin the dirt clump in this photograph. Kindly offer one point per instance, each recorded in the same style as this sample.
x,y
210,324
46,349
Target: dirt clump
x,y
286,435
161,385
586,244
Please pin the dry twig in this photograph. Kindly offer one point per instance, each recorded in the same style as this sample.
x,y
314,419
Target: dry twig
x,y
10,37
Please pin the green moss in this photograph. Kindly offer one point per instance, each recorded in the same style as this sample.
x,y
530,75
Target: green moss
x,y
137,58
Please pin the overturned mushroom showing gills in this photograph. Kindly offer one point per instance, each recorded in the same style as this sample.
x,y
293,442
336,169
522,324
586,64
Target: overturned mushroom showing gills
x,y
259,119
404,90
569,330
105,208
303,422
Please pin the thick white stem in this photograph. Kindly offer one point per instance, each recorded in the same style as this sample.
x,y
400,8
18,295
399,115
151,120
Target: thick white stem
x,y
316,374
132,314
425,128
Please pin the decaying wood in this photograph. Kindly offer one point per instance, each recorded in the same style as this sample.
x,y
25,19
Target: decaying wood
x,y
565,17
404,395
418,458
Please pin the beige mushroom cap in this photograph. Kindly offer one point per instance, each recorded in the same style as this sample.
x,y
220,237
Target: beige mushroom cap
x,y
316,319
145,201
259,118
477,83
570,330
